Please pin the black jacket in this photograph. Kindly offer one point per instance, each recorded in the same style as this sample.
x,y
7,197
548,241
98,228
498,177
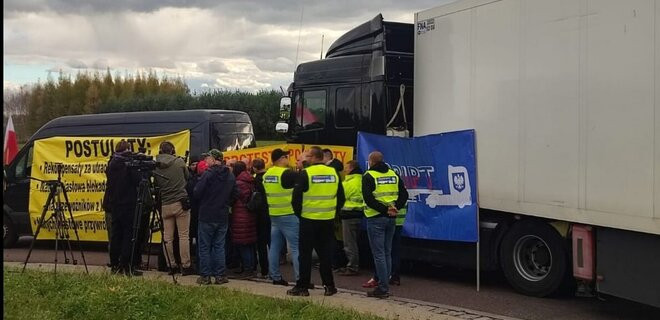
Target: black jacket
x,y
303,185
339,167
262,215
122,183
369,185
216,192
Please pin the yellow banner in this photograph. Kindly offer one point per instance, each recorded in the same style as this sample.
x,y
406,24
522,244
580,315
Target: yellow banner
x,y
342,153
83,163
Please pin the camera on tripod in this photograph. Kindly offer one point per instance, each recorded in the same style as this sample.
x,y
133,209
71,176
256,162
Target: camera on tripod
x,y
141,161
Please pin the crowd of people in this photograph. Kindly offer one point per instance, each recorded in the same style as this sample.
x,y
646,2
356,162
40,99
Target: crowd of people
x,y
247,218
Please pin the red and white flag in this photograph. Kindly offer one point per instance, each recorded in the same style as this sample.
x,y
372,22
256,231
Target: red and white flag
x,y
11,144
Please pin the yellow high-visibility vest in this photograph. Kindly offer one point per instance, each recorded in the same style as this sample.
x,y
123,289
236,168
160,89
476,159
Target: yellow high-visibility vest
x,y
386,191
278,198
320,200
353,191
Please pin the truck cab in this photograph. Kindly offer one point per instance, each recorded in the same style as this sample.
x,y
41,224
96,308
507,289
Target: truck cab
x,y
358,87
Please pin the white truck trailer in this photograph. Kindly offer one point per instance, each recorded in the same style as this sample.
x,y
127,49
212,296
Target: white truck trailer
x,y
564,96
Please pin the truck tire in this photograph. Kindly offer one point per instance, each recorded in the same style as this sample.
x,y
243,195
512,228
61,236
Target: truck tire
x,y
534,258
9,236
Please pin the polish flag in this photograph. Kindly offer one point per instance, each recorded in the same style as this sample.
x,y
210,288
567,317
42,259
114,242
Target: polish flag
x,y
11,144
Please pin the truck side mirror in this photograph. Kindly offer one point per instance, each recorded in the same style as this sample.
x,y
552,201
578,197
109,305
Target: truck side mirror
x,y
285,108
282,127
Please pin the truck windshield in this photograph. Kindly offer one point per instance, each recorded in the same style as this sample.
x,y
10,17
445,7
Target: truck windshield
x,y
310,109
228,136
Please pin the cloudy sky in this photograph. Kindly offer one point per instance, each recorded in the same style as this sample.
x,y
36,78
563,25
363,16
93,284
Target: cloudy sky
x,y
247,45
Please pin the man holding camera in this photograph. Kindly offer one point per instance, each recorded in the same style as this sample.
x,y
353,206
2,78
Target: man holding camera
x,y
121,199
171,177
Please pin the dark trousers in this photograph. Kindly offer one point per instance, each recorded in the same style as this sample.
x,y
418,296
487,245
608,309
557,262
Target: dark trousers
x,y
122,233
316,235
263,241
396,252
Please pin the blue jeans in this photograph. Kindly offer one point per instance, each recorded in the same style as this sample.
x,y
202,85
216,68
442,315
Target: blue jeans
x,y
248,261
283,229
211,248
381,232
396,255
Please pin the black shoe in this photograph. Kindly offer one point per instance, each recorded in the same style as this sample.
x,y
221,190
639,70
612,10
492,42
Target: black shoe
x,y
204,280
330,290
174,270
132,273
115,270
298,291
377,293
221,280
187,271
395,280
280,282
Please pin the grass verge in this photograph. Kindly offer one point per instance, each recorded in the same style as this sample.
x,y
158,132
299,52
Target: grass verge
x,y
40,295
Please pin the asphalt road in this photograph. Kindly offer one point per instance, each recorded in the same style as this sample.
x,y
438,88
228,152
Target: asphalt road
x,y
428,283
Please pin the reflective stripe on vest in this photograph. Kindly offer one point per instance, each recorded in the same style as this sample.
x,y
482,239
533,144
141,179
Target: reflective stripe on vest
x,y
278,198
386,192
320,200
353,191
401,216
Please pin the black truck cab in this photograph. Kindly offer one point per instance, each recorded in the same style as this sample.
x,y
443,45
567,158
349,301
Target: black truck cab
x,y
357,87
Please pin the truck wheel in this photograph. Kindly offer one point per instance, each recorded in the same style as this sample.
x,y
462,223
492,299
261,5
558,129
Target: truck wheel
x,y
534,258
9,236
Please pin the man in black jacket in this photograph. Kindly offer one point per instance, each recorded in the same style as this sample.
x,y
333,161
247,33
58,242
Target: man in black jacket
x,y
121,199
316,199
329,160
263,219
216,192
384,194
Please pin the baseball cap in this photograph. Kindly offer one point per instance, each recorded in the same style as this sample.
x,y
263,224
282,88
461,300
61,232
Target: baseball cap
x,y
277,154
216,154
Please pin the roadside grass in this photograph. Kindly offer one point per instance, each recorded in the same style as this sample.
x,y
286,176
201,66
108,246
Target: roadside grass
x,y
41,295
263,143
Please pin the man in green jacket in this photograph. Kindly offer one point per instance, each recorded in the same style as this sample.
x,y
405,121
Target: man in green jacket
x,y
176,205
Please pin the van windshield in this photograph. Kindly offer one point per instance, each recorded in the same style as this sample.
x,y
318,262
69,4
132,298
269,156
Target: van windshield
x,y
226,136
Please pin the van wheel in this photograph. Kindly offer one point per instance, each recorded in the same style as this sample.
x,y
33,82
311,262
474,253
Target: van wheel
x,y
534,258
9,235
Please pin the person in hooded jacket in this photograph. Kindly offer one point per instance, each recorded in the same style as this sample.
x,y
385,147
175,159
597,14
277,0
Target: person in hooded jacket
x,y
120,198
171,177
216,191
384,195
263,218
243,222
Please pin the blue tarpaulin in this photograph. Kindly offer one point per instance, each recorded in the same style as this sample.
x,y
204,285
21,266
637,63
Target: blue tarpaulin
x,y
439,172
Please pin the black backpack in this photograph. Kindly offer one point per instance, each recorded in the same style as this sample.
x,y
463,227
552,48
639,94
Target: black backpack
x,y
257,202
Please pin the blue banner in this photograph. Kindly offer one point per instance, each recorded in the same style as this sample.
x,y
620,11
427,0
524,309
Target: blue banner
x,y
439,172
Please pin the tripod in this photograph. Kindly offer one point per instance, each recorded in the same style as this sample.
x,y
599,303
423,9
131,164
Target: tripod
x,y
147,192
58,220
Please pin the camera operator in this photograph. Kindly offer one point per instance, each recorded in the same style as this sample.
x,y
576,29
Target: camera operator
x,y
121,199
176,205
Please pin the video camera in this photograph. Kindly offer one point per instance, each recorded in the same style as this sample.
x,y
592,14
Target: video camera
x,y
141,161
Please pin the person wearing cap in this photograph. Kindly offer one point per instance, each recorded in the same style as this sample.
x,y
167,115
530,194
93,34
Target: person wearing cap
x,y
278,182
216,192
317,197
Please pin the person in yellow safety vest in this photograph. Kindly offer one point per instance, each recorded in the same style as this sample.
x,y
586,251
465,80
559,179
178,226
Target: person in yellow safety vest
x,y
317,197
351,216
278,182
384,195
